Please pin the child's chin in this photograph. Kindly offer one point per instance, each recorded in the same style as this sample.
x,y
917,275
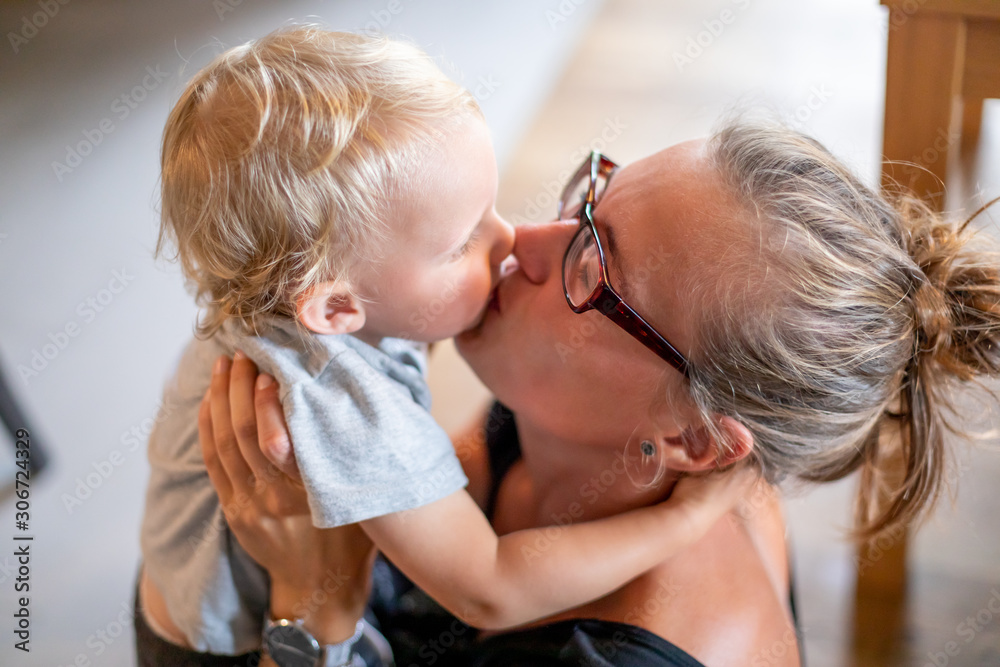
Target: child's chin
x,y
476,330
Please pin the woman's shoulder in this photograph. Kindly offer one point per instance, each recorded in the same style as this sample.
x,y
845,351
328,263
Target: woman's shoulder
x,y
724,601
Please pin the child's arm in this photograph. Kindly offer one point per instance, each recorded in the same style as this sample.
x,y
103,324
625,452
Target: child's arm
x,y
449,549
470,448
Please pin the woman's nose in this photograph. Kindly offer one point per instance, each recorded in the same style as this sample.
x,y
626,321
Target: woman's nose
x,y
539,247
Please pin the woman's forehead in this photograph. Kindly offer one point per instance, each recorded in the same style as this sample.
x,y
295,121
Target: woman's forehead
x,y
663,199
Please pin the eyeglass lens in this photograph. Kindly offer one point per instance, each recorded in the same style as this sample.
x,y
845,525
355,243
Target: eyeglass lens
x,y
582,267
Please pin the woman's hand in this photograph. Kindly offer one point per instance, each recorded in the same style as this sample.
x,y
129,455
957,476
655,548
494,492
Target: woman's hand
x,y
317,574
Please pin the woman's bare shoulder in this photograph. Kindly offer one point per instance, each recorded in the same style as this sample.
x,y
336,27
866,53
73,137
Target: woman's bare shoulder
x,y
724,601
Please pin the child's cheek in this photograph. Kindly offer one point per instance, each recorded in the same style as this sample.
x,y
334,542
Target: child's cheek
x,y
466,293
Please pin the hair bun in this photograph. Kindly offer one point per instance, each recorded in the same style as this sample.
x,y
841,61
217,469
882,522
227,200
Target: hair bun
x,y
933,320
956,303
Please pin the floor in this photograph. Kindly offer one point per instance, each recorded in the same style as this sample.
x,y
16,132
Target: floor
x,y
555,79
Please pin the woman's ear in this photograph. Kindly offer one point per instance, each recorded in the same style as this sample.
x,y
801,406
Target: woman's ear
x,y
330,308
697,449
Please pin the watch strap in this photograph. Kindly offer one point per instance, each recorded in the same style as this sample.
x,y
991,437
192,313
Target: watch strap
x,y
330,655
339,655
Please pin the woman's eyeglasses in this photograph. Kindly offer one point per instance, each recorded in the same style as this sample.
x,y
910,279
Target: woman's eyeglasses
x,y
585,269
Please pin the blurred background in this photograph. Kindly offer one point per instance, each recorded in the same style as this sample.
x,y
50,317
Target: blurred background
x,y
91,326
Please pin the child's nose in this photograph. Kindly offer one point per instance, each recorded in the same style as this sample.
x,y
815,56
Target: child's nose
x,y
539,248
503,242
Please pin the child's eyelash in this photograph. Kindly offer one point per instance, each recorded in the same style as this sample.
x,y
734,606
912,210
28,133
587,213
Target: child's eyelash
x,y
469,245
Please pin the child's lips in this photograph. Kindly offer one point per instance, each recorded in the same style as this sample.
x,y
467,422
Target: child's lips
x,y
492,304
507,267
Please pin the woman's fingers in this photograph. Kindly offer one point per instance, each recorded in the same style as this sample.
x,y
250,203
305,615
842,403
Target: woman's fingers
x,y
243,375
273,432
226,446
220,480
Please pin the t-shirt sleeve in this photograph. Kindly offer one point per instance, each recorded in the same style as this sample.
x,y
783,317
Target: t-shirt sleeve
x,y
364,447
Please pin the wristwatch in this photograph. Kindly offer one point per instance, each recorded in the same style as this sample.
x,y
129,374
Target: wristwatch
x,y
290,645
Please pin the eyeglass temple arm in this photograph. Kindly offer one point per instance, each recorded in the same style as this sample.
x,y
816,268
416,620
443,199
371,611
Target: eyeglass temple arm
x,y
619,311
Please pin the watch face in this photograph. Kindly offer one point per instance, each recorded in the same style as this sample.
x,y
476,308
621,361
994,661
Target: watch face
x,y
291,646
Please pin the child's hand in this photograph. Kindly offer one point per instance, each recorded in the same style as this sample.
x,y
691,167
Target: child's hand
x,y
707,498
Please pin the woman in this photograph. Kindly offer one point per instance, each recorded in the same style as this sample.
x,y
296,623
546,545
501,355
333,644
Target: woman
x,y
795,316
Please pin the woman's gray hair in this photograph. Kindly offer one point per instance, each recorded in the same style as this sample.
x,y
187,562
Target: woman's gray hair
x,y
869,308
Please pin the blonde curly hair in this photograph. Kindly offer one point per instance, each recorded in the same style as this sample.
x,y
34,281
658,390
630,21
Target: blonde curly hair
x,y
281,158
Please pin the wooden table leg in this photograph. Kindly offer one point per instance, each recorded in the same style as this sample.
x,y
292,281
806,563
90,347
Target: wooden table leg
x,y
923,86
922,90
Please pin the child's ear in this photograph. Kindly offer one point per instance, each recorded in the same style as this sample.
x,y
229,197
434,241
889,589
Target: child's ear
x,y
696,448
330,308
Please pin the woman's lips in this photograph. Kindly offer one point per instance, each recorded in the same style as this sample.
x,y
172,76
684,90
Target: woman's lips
x,y
494,302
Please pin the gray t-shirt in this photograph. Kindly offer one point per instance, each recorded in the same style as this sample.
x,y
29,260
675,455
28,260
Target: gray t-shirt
x,y
364,441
